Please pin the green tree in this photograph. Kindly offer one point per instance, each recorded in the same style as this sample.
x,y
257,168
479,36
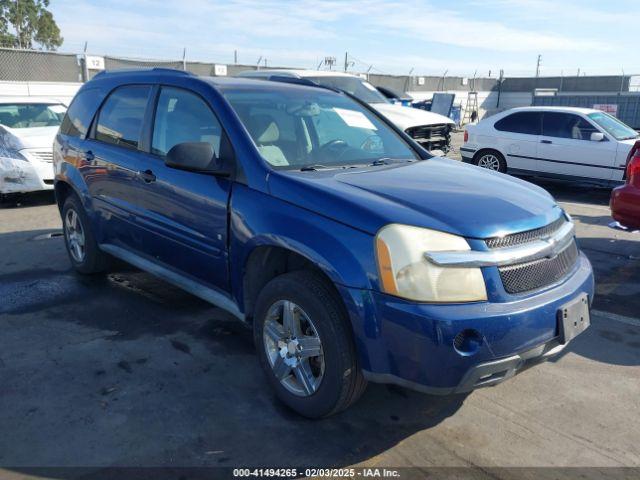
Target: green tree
x,y
28,23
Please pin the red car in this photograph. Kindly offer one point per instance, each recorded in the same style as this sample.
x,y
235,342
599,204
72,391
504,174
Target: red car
x,y
625,200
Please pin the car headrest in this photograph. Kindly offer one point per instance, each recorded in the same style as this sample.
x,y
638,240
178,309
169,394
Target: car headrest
x,y
264,129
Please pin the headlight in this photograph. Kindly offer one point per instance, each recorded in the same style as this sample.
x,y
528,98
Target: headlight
x,y
11,153
405,272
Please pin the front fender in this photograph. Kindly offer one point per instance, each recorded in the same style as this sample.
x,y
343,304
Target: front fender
x,y
343,253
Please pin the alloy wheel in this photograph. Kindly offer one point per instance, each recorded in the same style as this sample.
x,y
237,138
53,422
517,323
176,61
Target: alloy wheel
x,y
293,348
75,235
489,161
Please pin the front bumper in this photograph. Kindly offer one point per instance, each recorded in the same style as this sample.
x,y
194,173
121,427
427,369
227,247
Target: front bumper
x,y
625,205
21,176
412,344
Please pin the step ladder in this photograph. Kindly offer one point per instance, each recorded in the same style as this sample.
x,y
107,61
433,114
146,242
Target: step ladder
x,y
470,107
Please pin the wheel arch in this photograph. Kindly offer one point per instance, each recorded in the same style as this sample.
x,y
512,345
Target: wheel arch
x,y
267,261
485,150
69,181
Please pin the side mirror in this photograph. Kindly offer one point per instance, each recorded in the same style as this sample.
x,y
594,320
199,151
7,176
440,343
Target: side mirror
x,y
195,157
597,136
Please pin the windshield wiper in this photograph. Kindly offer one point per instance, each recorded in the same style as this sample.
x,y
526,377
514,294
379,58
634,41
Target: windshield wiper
x,y
388,160
380,161
314,168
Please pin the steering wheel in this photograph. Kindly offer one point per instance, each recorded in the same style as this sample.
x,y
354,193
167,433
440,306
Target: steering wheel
x,y
335,147
333,144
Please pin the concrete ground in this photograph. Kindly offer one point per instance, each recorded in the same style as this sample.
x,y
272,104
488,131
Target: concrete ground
x,y
125,370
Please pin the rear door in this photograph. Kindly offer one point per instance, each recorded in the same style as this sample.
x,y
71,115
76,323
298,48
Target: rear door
x,y
114,161
184,214
517,137
566,149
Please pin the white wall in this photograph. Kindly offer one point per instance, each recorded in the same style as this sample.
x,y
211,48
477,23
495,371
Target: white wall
x,y
63,92
487,100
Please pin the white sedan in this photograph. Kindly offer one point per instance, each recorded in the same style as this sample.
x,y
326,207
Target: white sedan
x,y
27,129
568,143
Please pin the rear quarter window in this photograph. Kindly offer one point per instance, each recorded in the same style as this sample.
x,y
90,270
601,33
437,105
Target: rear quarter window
x,y
79,115
529,123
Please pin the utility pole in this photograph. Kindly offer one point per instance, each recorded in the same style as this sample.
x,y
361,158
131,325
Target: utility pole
x,y
184,58
346,61
235,57
538,66
85,66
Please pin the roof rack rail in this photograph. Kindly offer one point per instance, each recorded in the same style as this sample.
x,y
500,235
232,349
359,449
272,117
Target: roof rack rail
x,y
125,71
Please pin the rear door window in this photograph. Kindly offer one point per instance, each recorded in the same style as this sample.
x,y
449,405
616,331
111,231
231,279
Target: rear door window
x,y
566,125
521,122
121,118
76,121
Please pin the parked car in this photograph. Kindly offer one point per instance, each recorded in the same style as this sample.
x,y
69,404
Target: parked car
x,y
578,144
27,128
430,130
625,200
353,253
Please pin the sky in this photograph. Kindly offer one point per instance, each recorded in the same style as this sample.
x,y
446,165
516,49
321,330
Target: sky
x,y
428,37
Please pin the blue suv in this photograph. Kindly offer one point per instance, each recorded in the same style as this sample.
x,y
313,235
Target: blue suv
x,y
354,254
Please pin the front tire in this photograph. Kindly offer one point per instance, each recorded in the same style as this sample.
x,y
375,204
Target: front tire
x,y
491,160
84,253
305,346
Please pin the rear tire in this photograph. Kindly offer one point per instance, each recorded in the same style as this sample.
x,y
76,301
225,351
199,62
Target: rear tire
x,y
491,160
82,248
335,381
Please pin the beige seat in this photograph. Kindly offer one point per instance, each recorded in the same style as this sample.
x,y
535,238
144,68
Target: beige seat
x,y
265,133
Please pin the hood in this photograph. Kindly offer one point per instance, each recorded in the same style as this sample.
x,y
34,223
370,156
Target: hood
x,y
406,117
21,138
437,193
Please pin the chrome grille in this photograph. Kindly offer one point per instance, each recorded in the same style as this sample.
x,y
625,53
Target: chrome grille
x,y
427,132
537,274
43,155
431,136
525,237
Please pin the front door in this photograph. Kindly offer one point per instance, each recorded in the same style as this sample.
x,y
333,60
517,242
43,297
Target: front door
x,y
184,214
566,149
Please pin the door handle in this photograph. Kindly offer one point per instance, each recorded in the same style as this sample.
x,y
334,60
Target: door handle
x,y
546,141
89,156
147,176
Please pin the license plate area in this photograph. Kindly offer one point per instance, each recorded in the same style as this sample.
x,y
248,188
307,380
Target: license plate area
x,y
573,318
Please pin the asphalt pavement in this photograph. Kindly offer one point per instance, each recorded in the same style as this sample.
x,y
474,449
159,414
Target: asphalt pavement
x,y
126,370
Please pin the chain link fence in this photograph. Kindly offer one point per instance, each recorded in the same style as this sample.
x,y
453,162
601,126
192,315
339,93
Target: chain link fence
x,y
36,66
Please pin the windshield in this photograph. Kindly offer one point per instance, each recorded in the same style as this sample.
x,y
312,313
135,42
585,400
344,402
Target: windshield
x,y
357,87
29,115
312,128
613,126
